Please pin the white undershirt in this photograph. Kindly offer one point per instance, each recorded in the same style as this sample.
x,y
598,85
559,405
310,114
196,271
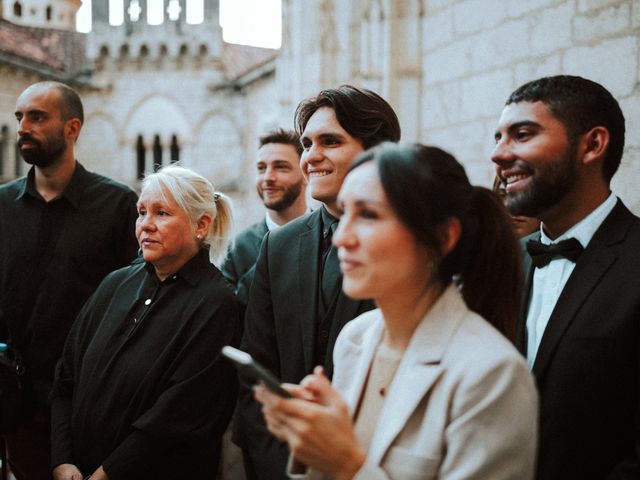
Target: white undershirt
x,y
270,223
549,281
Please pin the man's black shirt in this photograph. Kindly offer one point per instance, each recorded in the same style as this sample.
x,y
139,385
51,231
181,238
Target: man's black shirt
x,y
52,257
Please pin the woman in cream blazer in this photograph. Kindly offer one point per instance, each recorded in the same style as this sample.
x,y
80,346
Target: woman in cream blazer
x,y
424,386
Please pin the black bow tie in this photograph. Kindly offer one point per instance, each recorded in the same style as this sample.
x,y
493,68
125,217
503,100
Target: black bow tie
x,y
542,254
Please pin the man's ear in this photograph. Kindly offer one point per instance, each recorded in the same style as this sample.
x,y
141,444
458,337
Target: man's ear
x,y
594,145
72,128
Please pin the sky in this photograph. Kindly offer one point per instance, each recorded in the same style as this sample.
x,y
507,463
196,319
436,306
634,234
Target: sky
x,y
247,22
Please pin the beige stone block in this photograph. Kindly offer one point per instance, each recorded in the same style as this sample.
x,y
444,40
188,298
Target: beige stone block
x,y
472,16
438,29
635,14
602,23
435,5
483,94
500,46
517,8
631,109
536,68
450,62
614,63
551,29
586,5
441,105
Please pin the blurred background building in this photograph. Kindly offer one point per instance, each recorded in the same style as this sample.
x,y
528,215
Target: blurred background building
x,y
156,93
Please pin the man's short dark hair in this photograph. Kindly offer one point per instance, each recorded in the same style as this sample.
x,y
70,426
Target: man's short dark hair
x,y
70,105
280,135
364,114
581,105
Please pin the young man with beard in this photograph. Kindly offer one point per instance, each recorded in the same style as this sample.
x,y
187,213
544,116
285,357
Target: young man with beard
x,y
282,188
296,305
559,142
62,229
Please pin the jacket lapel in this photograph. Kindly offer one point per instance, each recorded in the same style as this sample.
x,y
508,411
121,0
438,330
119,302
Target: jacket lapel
x,y
527,271
307,261
355,364
419,370
595,261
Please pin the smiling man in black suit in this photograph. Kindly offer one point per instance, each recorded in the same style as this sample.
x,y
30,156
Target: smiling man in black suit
x,y
559,142
296,305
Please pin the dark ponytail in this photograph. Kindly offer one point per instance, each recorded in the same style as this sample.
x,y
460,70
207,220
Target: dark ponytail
x,y
491,278
426,187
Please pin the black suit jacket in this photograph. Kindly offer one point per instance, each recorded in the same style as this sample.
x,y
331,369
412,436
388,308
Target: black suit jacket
x,y
244,253
588,363
239,265
281,325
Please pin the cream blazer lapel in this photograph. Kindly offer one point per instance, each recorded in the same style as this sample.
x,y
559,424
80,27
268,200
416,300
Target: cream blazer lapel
x,y
418,371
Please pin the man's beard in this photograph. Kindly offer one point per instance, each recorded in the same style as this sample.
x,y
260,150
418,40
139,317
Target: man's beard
x,y
42,154
289,197
549,184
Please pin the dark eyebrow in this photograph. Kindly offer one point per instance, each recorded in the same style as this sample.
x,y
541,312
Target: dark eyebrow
x,y
325,136
516,125
331,136
31,112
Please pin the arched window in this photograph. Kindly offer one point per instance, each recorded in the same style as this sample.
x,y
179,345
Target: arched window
x,y
141,154
17,9
174,149
48,13
144,51
157,153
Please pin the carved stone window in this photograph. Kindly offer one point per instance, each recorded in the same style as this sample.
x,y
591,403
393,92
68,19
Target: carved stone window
x,y
141,154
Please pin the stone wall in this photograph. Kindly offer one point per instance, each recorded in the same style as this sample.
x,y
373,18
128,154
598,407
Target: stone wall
x,y
447,66
477,51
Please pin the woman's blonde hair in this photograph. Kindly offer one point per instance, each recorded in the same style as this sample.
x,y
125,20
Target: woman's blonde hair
x,y
196,196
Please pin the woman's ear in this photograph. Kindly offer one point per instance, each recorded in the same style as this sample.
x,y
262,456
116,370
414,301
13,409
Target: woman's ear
x,y
449,234
203,225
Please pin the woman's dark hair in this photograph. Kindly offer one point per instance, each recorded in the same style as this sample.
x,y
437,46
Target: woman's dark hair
x,y
364,114
426,187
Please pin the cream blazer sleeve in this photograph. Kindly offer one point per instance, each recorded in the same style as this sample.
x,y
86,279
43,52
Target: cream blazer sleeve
x,y
462,405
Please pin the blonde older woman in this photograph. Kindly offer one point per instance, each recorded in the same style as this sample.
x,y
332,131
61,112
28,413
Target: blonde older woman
x,y
427,386
140,391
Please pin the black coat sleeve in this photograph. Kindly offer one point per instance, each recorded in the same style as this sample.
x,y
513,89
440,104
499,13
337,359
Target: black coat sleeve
x,y
267,455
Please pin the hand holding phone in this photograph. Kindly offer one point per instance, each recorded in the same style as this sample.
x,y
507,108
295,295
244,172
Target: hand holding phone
x,y
248,366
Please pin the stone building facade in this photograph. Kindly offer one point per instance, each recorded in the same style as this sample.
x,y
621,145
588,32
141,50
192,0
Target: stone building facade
x,y
447,66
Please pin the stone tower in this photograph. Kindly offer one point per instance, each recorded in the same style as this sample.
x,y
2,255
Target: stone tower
x,y
155,100
57,14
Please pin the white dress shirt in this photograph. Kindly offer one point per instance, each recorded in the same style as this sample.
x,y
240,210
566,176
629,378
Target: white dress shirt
x,y
549,281
270,223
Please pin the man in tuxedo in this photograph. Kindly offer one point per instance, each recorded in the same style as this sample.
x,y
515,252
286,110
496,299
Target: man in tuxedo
x,y
296,306
559,142
282,189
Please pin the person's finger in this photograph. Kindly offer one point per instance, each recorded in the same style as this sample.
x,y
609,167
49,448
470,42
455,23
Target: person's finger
x,y
299,391
321,388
